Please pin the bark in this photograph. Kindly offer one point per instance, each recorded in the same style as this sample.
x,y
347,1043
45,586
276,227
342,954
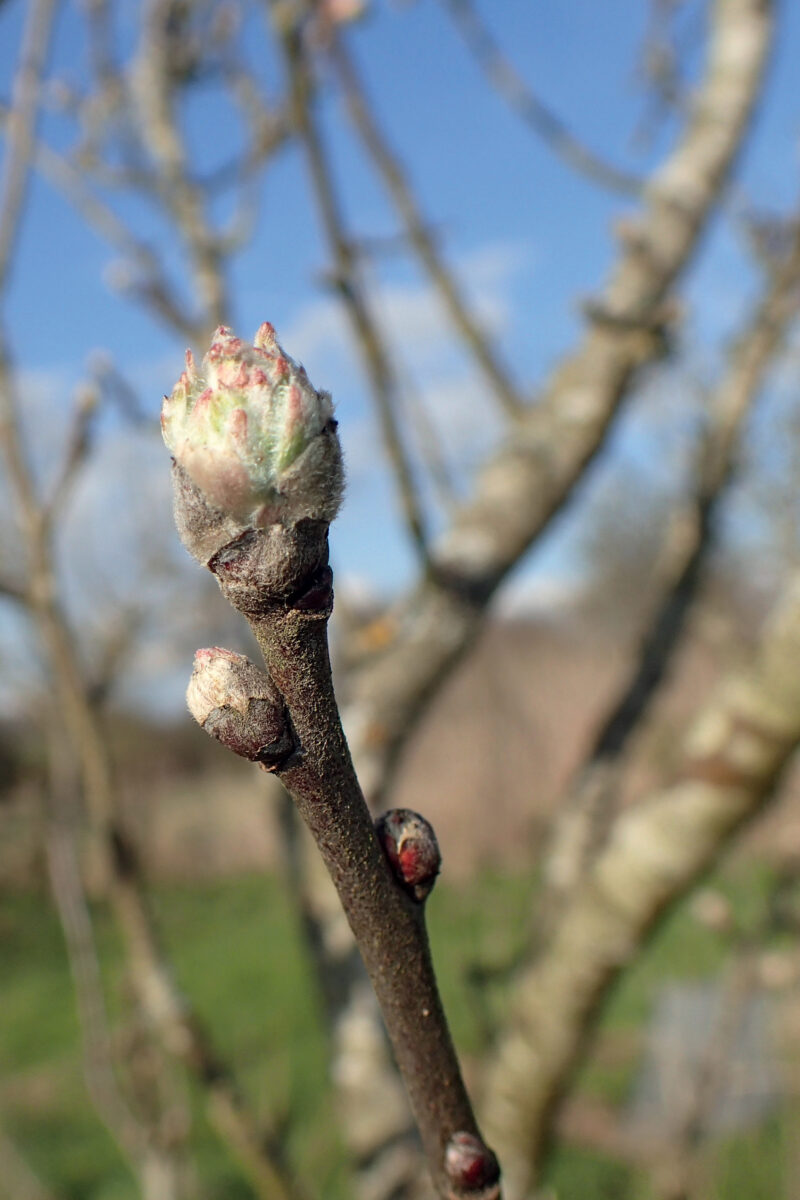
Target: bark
x,y
588,806
530,478
732,758
281,582
521,488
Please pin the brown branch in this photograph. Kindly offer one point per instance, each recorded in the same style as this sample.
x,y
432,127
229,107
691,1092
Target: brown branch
x,y
732,759
477,340
507,81
267,545
289,721
350,287
388,927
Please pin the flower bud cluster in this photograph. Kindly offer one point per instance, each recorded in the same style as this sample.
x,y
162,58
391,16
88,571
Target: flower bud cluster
x,y
253,435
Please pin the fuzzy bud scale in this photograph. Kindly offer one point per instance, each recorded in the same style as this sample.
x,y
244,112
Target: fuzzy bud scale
x,y
253,435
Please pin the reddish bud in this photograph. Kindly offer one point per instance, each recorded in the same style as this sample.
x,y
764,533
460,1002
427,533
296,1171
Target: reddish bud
x,y
410,845
472,1169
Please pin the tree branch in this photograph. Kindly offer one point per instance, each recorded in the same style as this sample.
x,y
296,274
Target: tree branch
x,y
584,813
732,760
361,113
506,80
266,541
350,287
529,480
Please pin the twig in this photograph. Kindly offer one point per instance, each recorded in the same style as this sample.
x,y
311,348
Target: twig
x,y
145,276
505,78
476,338
388,928
153,83
77,448
731,762
267,544
76,923
349,285
22,127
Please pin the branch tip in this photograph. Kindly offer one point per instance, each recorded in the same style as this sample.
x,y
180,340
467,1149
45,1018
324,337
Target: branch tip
x,y
254,443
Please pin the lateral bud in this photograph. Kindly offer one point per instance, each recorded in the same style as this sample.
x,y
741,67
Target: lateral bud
x,y
410,845
472,1169
239,705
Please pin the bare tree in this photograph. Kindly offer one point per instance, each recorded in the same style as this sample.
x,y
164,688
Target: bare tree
x,y
610,872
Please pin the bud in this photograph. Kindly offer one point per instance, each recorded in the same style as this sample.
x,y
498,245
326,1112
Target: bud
x,y
240,706
410,845
252,434
471,1168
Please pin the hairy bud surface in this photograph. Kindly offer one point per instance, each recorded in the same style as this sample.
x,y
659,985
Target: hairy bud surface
x,y
240,706
252,434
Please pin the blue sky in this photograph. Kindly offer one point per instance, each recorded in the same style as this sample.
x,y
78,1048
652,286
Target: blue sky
x,y
527,236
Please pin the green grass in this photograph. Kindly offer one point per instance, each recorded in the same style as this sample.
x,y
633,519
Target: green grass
x,y
238,954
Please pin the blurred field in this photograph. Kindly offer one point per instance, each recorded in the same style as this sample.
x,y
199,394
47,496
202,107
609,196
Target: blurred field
x,y
238,953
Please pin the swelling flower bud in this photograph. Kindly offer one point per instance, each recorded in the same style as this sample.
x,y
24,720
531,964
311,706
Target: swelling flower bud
x,y
240,706
253,436
410,845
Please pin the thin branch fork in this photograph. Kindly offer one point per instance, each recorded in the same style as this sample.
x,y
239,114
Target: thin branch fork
x,y
468,327
377,361
165,1009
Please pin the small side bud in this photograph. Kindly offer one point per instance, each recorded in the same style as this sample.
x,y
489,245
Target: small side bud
x,y
411,848
472,1169
240,706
